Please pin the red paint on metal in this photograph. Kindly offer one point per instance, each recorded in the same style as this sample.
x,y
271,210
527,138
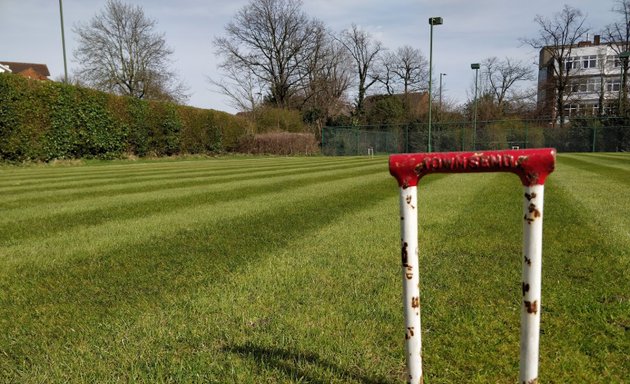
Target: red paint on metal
x,y
531,165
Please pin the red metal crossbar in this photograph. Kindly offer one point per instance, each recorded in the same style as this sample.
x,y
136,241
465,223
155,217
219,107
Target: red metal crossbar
x,y
531,165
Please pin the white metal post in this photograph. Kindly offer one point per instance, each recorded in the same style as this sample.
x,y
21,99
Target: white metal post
x,y
411,280
531,283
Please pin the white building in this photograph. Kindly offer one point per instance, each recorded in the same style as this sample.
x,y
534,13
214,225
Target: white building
x,y
594,79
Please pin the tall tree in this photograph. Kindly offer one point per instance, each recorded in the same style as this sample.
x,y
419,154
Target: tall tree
x,y
269,39
403,71
118,51
557,36
617,35
364,51
327,77
503,75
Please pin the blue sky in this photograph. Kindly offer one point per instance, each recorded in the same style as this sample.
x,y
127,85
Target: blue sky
x,y
472,31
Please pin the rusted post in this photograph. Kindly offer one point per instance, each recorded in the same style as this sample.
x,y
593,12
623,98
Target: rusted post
x,y
532,281
411,280
532,166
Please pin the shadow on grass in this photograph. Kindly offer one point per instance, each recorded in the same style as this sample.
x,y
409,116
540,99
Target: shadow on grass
x,y
295,364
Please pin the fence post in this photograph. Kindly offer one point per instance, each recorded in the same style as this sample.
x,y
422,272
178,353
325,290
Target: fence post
x,y
532,166
526,135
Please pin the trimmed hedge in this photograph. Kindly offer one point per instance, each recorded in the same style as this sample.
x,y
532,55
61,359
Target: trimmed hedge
x,y
43,120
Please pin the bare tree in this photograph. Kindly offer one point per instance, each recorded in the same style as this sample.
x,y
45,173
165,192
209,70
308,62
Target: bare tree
x,y
364,51
617,35
269,39
557,37
118,51
502,76
242,87
326,79
404,71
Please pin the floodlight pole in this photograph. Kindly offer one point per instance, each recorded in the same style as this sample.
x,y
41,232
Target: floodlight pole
x,y
63,44
475,66
432,21
532,166
441,74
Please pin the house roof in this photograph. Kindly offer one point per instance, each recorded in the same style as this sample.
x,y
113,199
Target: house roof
x,y
15,67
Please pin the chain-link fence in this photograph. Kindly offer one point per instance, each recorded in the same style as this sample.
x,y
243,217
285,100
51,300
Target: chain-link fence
x,y
578,135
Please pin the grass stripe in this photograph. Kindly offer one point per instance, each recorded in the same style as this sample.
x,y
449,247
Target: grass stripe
x,y
95,211
124,176
586,305
622,163
603,200
617,174
156,184
90,240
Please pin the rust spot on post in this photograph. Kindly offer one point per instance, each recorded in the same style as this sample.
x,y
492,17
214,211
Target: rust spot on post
x,y
404,254
528,261
531,306
415,302
408,199
531,196
409,275
409,333
533,210
534,213
525,288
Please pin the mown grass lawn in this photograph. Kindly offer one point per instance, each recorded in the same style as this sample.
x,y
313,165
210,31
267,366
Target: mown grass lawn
x,y
271,270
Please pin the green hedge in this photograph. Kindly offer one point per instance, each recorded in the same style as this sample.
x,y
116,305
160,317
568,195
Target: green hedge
x,y
43,120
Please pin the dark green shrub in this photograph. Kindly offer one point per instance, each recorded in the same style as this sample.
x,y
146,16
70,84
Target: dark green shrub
x,y
44,120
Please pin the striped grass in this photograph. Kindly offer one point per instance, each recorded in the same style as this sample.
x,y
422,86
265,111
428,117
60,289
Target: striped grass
x,y
287,270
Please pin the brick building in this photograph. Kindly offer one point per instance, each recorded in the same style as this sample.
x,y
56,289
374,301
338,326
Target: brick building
x,y
28,70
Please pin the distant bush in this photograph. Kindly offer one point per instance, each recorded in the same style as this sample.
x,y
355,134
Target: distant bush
x,y
43,120
270,119
279,143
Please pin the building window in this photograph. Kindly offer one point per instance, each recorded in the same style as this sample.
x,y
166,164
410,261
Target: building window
x,y
613,61
593,84
577,85
613,85
589,61
572,63
571,109
576,109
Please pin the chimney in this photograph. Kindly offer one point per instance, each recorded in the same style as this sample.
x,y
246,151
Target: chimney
x,y
596,39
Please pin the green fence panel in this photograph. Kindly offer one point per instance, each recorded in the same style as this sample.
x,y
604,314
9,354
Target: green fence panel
x,y
608,134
